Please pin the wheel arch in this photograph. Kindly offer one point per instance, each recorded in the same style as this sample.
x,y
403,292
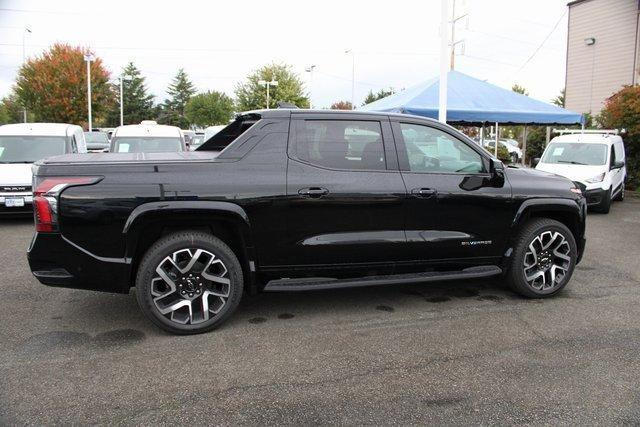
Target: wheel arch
x,y
227,221
566,211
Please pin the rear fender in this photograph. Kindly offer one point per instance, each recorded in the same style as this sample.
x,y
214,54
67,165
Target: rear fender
x,y
189,215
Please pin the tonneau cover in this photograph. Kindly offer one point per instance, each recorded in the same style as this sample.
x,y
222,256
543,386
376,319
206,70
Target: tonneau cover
x,y
130,157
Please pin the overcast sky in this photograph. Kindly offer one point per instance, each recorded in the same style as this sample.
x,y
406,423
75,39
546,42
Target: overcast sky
x,y
218,43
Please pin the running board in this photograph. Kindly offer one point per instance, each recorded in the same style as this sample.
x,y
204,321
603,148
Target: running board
x,y
308,284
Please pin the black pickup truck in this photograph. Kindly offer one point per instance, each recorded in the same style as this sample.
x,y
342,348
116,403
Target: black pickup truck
x,y
288,200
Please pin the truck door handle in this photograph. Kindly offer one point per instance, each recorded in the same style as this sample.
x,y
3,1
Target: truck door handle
x,y
314,192
424,192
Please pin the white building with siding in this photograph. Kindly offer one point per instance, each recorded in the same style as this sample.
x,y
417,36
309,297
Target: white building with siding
x,y
603,45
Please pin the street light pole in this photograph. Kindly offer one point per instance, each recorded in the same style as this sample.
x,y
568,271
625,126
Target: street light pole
x,y
353,77
89,57
268,84
24,57
121,103
309,70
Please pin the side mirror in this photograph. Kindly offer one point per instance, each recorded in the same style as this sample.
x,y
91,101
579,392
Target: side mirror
x,y
619,164
496,168
536,160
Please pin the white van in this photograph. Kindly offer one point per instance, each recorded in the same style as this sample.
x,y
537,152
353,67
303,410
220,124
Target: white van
x,y
23,144
147,137
594,159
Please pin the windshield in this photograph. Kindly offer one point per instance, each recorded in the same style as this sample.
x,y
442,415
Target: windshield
x,y
572,153
96,137
147,144
29,149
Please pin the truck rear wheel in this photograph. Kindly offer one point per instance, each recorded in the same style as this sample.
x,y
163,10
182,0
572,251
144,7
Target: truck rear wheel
x,y
189,282
543,260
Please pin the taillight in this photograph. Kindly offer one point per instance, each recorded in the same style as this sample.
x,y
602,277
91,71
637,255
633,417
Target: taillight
x,y
45,198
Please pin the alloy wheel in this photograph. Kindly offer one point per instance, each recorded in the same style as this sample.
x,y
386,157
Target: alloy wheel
x,y
190,286
547,260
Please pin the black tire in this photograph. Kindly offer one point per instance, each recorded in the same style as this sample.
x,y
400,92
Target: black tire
x,y
175,246
605,204
514,158
516,277
620,196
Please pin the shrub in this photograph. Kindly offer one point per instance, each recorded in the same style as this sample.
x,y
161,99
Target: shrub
x,y
622,111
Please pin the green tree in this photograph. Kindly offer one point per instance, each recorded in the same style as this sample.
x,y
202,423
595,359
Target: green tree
x,y
209,108
559,100
536,141
10,104
251,95
382,93
53,86
503,153
4,115
519,89
622,111
180,90
138,103
341,105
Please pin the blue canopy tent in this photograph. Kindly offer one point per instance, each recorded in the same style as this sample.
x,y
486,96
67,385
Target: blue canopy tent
x,y
470,100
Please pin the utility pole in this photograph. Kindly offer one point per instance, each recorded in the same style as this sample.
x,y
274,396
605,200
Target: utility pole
x,y
89,57
444,45
24,58
454,42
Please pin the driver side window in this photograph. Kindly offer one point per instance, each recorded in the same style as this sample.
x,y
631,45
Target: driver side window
x,y
431,150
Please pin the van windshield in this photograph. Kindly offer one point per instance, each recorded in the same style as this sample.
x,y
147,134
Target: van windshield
x,y
29,149
147,144
573,153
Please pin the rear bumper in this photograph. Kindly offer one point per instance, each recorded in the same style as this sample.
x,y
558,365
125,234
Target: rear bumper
x,y
27,209
56,262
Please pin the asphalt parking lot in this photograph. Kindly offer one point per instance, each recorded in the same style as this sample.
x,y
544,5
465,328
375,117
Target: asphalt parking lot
x,y
446,353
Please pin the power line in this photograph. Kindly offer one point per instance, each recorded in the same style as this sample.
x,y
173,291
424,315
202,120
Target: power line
x,y
543,42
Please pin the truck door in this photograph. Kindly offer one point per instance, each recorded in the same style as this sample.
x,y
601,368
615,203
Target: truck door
x,y
345,194
453,211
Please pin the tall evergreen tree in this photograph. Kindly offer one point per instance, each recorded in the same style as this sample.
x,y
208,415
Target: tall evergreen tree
x,y
138,103
180,90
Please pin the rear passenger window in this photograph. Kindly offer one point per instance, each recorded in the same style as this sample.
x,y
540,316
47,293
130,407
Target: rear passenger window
x,y
341,144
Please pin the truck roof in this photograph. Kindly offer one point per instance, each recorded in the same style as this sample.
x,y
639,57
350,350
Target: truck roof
x,y
40,129
287,112
147,130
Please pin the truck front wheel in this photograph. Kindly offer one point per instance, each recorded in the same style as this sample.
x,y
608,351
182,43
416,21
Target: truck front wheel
x,y
543,260
189,282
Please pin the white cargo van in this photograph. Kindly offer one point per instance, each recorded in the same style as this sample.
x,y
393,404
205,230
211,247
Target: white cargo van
x,y
595,159
23,144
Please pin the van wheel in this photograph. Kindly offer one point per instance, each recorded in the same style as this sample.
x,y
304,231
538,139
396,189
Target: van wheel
x,y
189,282
543,259
620,196
605,204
